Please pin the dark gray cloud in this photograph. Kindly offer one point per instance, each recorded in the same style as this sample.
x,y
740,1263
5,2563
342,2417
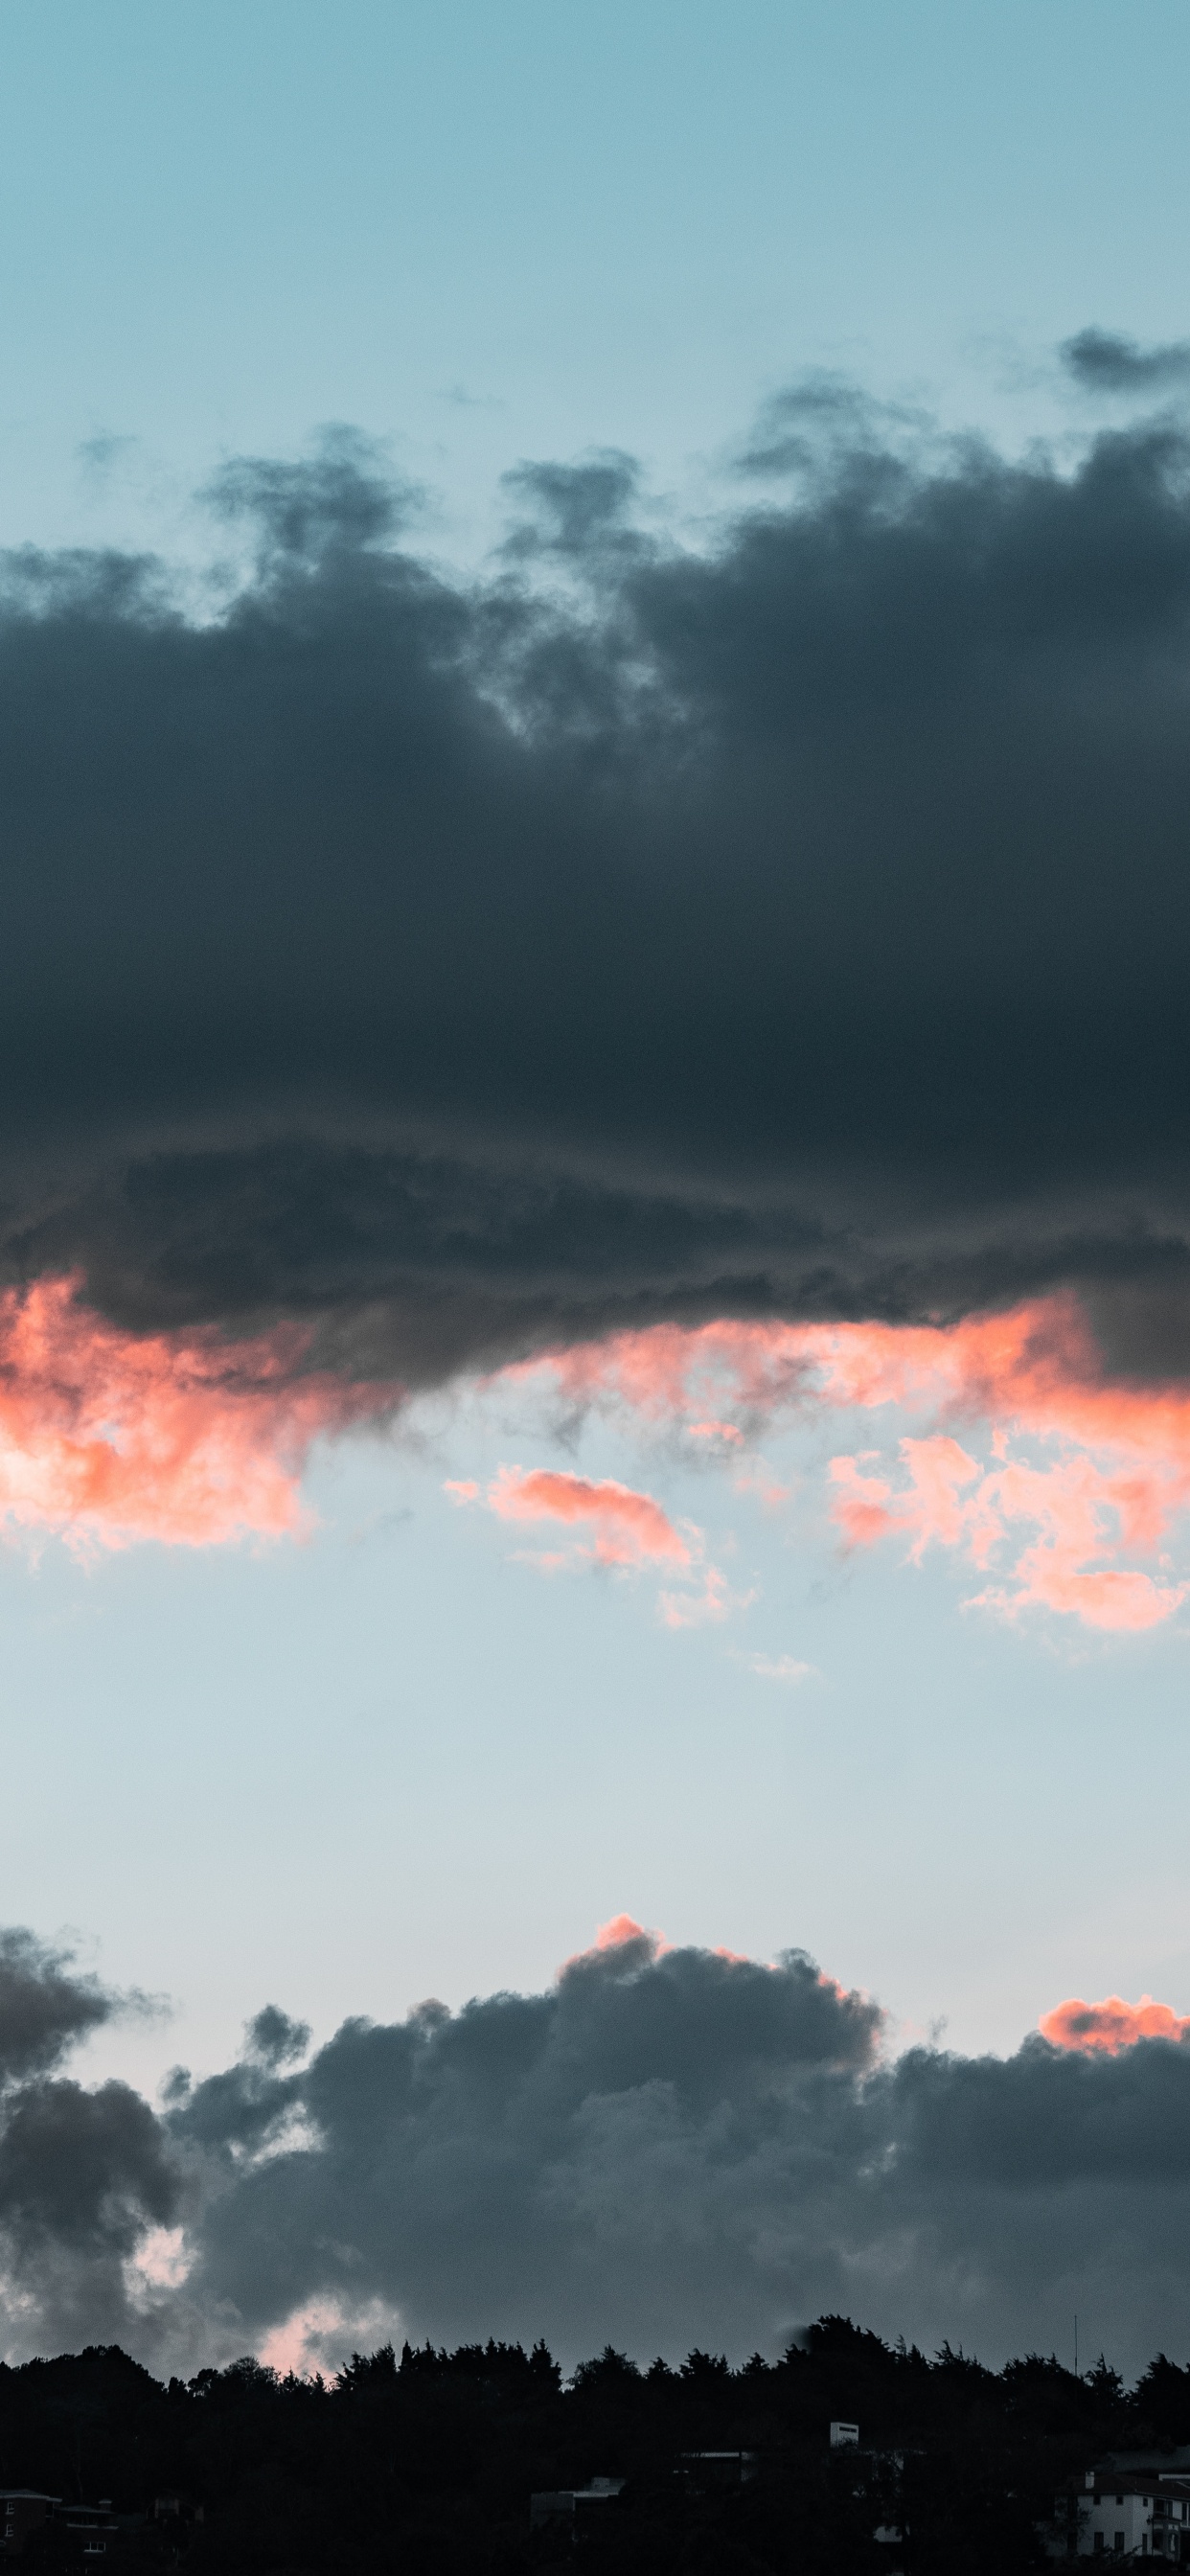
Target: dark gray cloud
x,y
797,925
665,2148
678,2147
1109,362
45,2005
82,2171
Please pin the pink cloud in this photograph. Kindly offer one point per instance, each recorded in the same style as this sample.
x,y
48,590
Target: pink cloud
x,y
108,1437
1107,2027
305,2339
622,1933
627,1528
715,1601
460,1489
1082,1471
622,1928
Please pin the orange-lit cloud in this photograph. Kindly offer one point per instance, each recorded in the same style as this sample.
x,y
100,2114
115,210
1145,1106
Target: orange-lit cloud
x,y
626,1528
107,1437
622,1928
1105,2028
1081,1470
622,1933
1063,1489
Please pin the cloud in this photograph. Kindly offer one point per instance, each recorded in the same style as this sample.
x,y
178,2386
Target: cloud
x,y
715,1601
45,2007
792,926
110,1436
628,1529
675,2145
779,1668
1109,362
1112,2024
1081,1467
621,1929
85,2174
668,2145
408,977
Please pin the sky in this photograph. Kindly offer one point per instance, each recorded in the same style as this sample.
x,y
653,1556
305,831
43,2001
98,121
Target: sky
x,y
594,1244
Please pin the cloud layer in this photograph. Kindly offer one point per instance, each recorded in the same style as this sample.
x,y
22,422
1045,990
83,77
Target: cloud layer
x,y
666,2146
793,924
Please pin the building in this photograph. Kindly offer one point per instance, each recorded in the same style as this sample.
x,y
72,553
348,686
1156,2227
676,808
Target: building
x,y
571,2504
176,2508
1124,2513
718,2468
92,2526
22,2510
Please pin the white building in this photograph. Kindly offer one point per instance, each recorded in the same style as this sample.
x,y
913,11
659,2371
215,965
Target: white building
x,y
1124,2514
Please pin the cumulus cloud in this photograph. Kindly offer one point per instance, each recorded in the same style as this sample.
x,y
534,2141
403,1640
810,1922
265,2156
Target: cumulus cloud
x,y
1112,2024
85,2173
667,2146
674,2145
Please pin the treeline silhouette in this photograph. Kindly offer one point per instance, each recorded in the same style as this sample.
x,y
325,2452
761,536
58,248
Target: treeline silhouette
x,y
428,2461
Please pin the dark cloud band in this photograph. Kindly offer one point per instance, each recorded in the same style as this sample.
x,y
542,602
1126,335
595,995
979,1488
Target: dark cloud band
x,y
799,925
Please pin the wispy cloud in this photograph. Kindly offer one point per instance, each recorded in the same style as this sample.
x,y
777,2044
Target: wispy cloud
x,y
627,1528
779,1668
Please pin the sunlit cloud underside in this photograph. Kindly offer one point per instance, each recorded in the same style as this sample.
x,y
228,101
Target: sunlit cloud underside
x,y
999,1439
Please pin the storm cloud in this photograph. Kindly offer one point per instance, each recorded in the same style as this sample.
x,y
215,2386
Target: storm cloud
x,y
675,2147
83,2170
792,923
665,2147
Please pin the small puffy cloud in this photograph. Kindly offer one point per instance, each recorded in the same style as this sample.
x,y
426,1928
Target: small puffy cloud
x,y
779,1668
1108,362
1111,2025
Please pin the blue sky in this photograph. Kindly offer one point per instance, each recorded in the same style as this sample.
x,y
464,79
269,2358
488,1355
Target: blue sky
x,y
390,1759
486,233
